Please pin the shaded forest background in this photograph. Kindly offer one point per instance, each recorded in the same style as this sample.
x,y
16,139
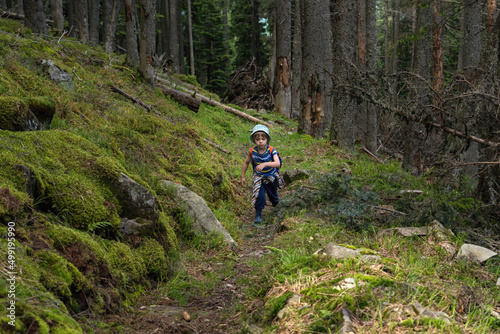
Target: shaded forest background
x,y
417,80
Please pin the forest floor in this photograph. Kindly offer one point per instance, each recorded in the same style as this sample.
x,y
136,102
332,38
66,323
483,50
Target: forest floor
x,y
211,312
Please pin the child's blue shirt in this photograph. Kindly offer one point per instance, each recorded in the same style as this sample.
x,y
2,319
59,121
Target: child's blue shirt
x,y
267,156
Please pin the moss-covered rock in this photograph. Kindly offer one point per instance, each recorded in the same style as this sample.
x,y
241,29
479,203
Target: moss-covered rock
x,y
43,107
35,305
16,116
154,257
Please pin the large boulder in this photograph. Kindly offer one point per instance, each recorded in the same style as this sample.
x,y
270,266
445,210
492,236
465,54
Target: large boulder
x,y
139,204
204,221
292,175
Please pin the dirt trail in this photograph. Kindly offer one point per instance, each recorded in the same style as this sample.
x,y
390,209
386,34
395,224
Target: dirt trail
x,y
212,313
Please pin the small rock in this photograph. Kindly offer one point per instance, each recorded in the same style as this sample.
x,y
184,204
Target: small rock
x,y
474,252
498,281
186,316
346,284
252,329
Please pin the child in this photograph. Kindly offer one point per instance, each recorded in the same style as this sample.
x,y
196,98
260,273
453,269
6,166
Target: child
x,y
265,179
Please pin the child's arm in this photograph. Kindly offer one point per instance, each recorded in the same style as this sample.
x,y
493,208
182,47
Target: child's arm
x,y
244,169
272,164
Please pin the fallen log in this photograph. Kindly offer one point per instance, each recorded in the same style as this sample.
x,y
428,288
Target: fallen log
x,y
211,102
136,100
181,97
217,146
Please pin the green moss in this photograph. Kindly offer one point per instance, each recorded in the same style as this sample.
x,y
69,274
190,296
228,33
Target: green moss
x,y
348,246
13,113
367,251
275,305
374,280
166,233
41,105
60,276
125,266
154,257
106,167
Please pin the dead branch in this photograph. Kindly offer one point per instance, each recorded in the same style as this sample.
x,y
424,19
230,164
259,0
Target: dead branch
x,y
364,149
130,97
217,146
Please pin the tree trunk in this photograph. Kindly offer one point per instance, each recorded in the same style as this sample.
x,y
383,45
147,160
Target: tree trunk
x,y
272,57
470,57
34,16
281,88
296,59
371,66
386,38
3,4
180,30
361,117
19,7
83,21
395,36
57,15
225,34
131,29
147,40
421,60
173,34
191,48
94,21
437,53
345,37
256,53
162,28
315,83
72,15
111,11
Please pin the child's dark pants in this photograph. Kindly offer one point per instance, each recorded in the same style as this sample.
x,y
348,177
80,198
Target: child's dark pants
x,y
271,189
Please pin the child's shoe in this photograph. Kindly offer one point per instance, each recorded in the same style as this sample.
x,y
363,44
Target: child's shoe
x,y
258,219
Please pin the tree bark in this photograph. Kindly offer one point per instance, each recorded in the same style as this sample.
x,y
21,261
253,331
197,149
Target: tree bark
x,y
421,65
173,34
345,36
147,40
272,56
471,55
281,88
72,15
83,21
19,9
191,47
94,17
34,16
132,58
57,14
371,66
256,53
361,116
386,38
111,11
316,58
296,59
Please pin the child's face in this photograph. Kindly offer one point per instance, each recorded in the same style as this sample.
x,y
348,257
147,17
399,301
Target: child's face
x,y
260,138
